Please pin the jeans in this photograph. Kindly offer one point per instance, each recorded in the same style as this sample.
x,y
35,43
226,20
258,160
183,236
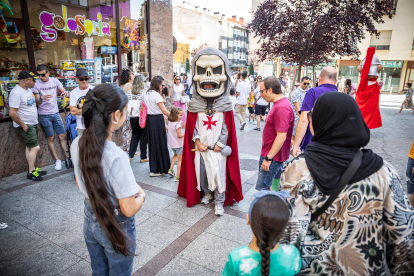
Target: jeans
x,y
104,259
265,178
241,112
52,122
410,176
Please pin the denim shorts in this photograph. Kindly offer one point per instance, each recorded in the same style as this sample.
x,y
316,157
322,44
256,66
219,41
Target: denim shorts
x,y
410,176
177,151
265,178
50,122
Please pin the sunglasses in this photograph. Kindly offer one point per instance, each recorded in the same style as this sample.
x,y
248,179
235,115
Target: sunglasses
x,y
306,83
84,79
178,79
310,115
259,78
41,75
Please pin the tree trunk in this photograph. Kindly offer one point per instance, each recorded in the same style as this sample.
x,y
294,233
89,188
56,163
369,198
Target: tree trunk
x,y
313,74
300,71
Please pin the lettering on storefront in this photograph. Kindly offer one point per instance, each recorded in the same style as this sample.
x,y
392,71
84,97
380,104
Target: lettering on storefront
x,y
79,25
390,63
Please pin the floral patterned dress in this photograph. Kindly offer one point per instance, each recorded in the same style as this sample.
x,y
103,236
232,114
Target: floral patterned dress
x,y
370,221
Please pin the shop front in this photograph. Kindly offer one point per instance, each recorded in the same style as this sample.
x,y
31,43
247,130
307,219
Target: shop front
x,y
390,75
314,71
348,70
102,36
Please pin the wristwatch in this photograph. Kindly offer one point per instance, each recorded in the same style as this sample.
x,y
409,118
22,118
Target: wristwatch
x,y
140,195
268,159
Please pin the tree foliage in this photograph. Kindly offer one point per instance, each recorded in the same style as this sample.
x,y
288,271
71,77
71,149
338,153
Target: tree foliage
x,y
187,65
308,32
251,69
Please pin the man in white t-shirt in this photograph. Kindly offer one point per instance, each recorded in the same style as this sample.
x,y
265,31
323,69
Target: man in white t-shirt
x,y
23,112
261,105
243,90
77,96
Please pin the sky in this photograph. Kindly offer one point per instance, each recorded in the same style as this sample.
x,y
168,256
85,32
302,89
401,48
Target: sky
x,y
240,8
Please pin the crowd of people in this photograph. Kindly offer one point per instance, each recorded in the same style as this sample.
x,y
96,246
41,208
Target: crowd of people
x,y
340,208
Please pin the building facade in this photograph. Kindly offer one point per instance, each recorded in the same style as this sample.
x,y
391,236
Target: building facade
x,y
202,26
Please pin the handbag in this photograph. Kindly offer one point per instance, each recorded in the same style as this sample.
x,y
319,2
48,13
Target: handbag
x,y
143,113
346,177
185,99
255,102
134,107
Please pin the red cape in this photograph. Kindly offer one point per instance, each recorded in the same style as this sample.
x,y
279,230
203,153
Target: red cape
x,y
187,186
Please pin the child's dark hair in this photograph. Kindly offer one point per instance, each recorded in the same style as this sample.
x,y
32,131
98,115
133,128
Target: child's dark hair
x,y
232,91
268,221
175,111
165,92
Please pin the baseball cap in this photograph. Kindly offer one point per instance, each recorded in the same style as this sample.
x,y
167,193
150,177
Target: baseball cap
x,y
81,73
27,75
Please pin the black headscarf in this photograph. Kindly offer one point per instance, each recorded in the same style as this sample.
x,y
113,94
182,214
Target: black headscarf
x,y
340,130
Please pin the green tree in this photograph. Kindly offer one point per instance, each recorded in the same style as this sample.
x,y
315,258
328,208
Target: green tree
x,y
251,69
187,65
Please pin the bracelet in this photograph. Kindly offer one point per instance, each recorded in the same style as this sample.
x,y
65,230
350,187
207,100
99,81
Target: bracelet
x,y
140,195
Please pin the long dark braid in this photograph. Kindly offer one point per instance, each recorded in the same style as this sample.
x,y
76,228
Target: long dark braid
x,y
99,104
270,216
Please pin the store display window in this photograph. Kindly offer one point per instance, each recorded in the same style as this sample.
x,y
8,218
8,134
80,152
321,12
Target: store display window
x,y
349,72
13,51
390,75
134,35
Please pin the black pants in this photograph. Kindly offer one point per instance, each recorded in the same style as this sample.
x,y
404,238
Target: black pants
x,y
139,135
159,157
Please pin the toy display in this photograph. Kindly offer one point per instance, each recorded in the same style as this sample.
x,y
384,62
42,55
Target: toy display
x,y
5,88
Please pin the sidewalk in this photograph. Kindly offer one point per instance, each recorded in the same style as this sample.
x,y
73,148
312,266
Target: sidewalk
x,y
45,233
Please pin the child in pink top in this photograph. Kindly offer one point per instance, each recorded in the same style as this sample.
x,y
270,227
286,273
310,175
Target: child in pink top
x,y
175,139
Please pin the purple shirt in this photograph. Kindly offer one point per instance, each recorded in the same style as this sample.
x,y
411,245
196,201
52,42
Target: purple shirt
x,y
48,88
309,102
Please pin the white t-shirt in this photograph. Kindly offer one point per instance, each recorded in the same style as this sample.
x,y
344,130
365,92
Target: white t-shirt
x,y
25,101
151,99
178,91
261,101
189,83
243,87
78,96
233,101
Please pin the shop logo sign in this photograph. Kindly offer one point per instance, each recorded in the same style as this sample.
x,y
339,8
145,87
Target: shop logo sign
x,y
78,25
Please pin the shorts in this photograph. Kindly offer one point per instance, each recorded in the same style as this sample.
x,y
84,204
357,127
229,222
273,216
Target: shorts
x,y
260,110
50,122
251,110
29,136
295,124
178,151
410,176
265,179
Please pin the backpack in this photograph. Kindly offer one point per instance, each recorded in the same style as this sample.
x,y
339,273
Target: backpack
x,y
143,113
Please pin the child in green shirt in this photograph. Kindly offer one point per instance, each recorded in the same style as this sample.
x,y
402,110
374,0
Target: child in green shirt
x,y
268,217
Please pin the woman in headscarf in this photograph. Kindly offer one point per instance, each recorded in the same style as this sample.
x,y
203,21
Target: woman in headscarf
x,y
372,210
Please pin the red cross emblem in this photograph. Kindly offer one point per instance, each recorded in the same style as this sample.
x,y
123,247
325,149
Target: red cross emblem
x,y
209,122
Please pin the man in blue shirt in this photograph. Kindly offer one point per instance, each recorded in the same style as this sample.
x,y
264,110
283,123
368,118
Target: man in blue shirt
x,y
327,80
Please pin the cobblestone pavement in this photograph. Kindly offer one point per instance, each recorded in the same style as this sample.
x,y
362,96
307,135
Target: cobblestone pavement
x,y
45,235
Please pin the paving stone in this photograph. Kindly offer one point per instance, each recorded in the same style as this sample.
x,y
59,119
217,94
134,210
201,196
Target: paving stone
x,y
231,228
209,251
21,178
52,185
144,252
170,186
142,216
249,164
246,175
48,259
15,199
44,217
16,239
73,241
179,212
243,205
160,232
179,266
78,269
156,202
4,184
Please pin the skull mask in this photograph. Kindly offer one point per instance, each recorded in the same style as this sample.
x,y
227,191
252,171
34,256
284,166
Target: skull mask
x,y
210,76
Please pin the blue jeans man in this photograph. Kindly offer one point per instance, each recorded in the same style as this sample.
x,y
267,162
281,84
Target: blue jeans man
x,y
267,178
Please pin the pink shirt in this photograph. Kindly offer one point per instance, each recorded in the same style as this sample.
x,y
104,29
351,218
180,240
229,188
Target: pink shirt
x,y
280,119
173,141
48,88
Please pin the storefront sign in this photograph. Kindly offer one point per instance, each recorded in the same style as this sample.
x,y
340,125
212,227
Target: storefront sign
x,y
269,62
390,63
106,50
78,25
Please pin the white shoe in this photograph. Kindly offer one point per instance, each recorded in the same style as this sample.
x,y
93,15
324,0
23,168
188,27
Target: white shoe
x,y
58,165
154,174
3,226
206,199
242,125
218,210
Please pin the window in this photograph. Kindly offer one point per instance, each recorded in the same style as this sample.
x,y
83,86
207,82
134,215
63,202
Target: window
x,y
390,5
382,42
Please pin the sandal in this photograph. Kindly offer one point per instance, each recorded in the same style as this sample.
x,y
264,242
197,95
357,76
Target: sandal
x,y
3,226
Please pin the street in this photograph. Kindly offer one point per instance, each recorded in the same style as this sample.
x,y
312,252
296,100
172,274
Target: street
x,y
45,233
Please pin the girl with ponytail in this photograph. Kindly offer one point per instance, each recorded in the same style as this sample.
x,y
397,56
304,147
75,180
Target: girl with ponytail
x,y
268,217
104,176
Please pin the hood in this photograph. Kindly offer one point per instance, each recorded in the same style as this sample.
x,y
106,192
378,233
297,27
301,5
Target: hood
x,y
222,103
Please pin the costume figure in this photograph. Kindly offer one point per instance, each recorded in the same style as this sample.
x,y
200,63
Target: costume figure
x,y
210,143
368,93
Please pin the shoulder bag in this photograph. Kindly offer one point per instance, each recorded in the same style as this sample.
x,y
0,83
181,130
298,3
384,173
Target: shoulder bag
x,y
185,99
346,177
134,107
255,102
143,113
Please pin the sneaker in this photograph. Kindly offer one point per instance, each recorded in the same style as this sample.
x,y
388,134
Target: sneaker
x,y
144,160
218,210
3,225
171,172
58,165
206,198
42,173
177,179
154,174
242,125
34,175
257,128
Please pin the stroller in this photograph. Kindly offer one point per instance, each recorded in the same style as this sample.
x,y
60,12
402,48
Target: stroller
x,y
71,134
